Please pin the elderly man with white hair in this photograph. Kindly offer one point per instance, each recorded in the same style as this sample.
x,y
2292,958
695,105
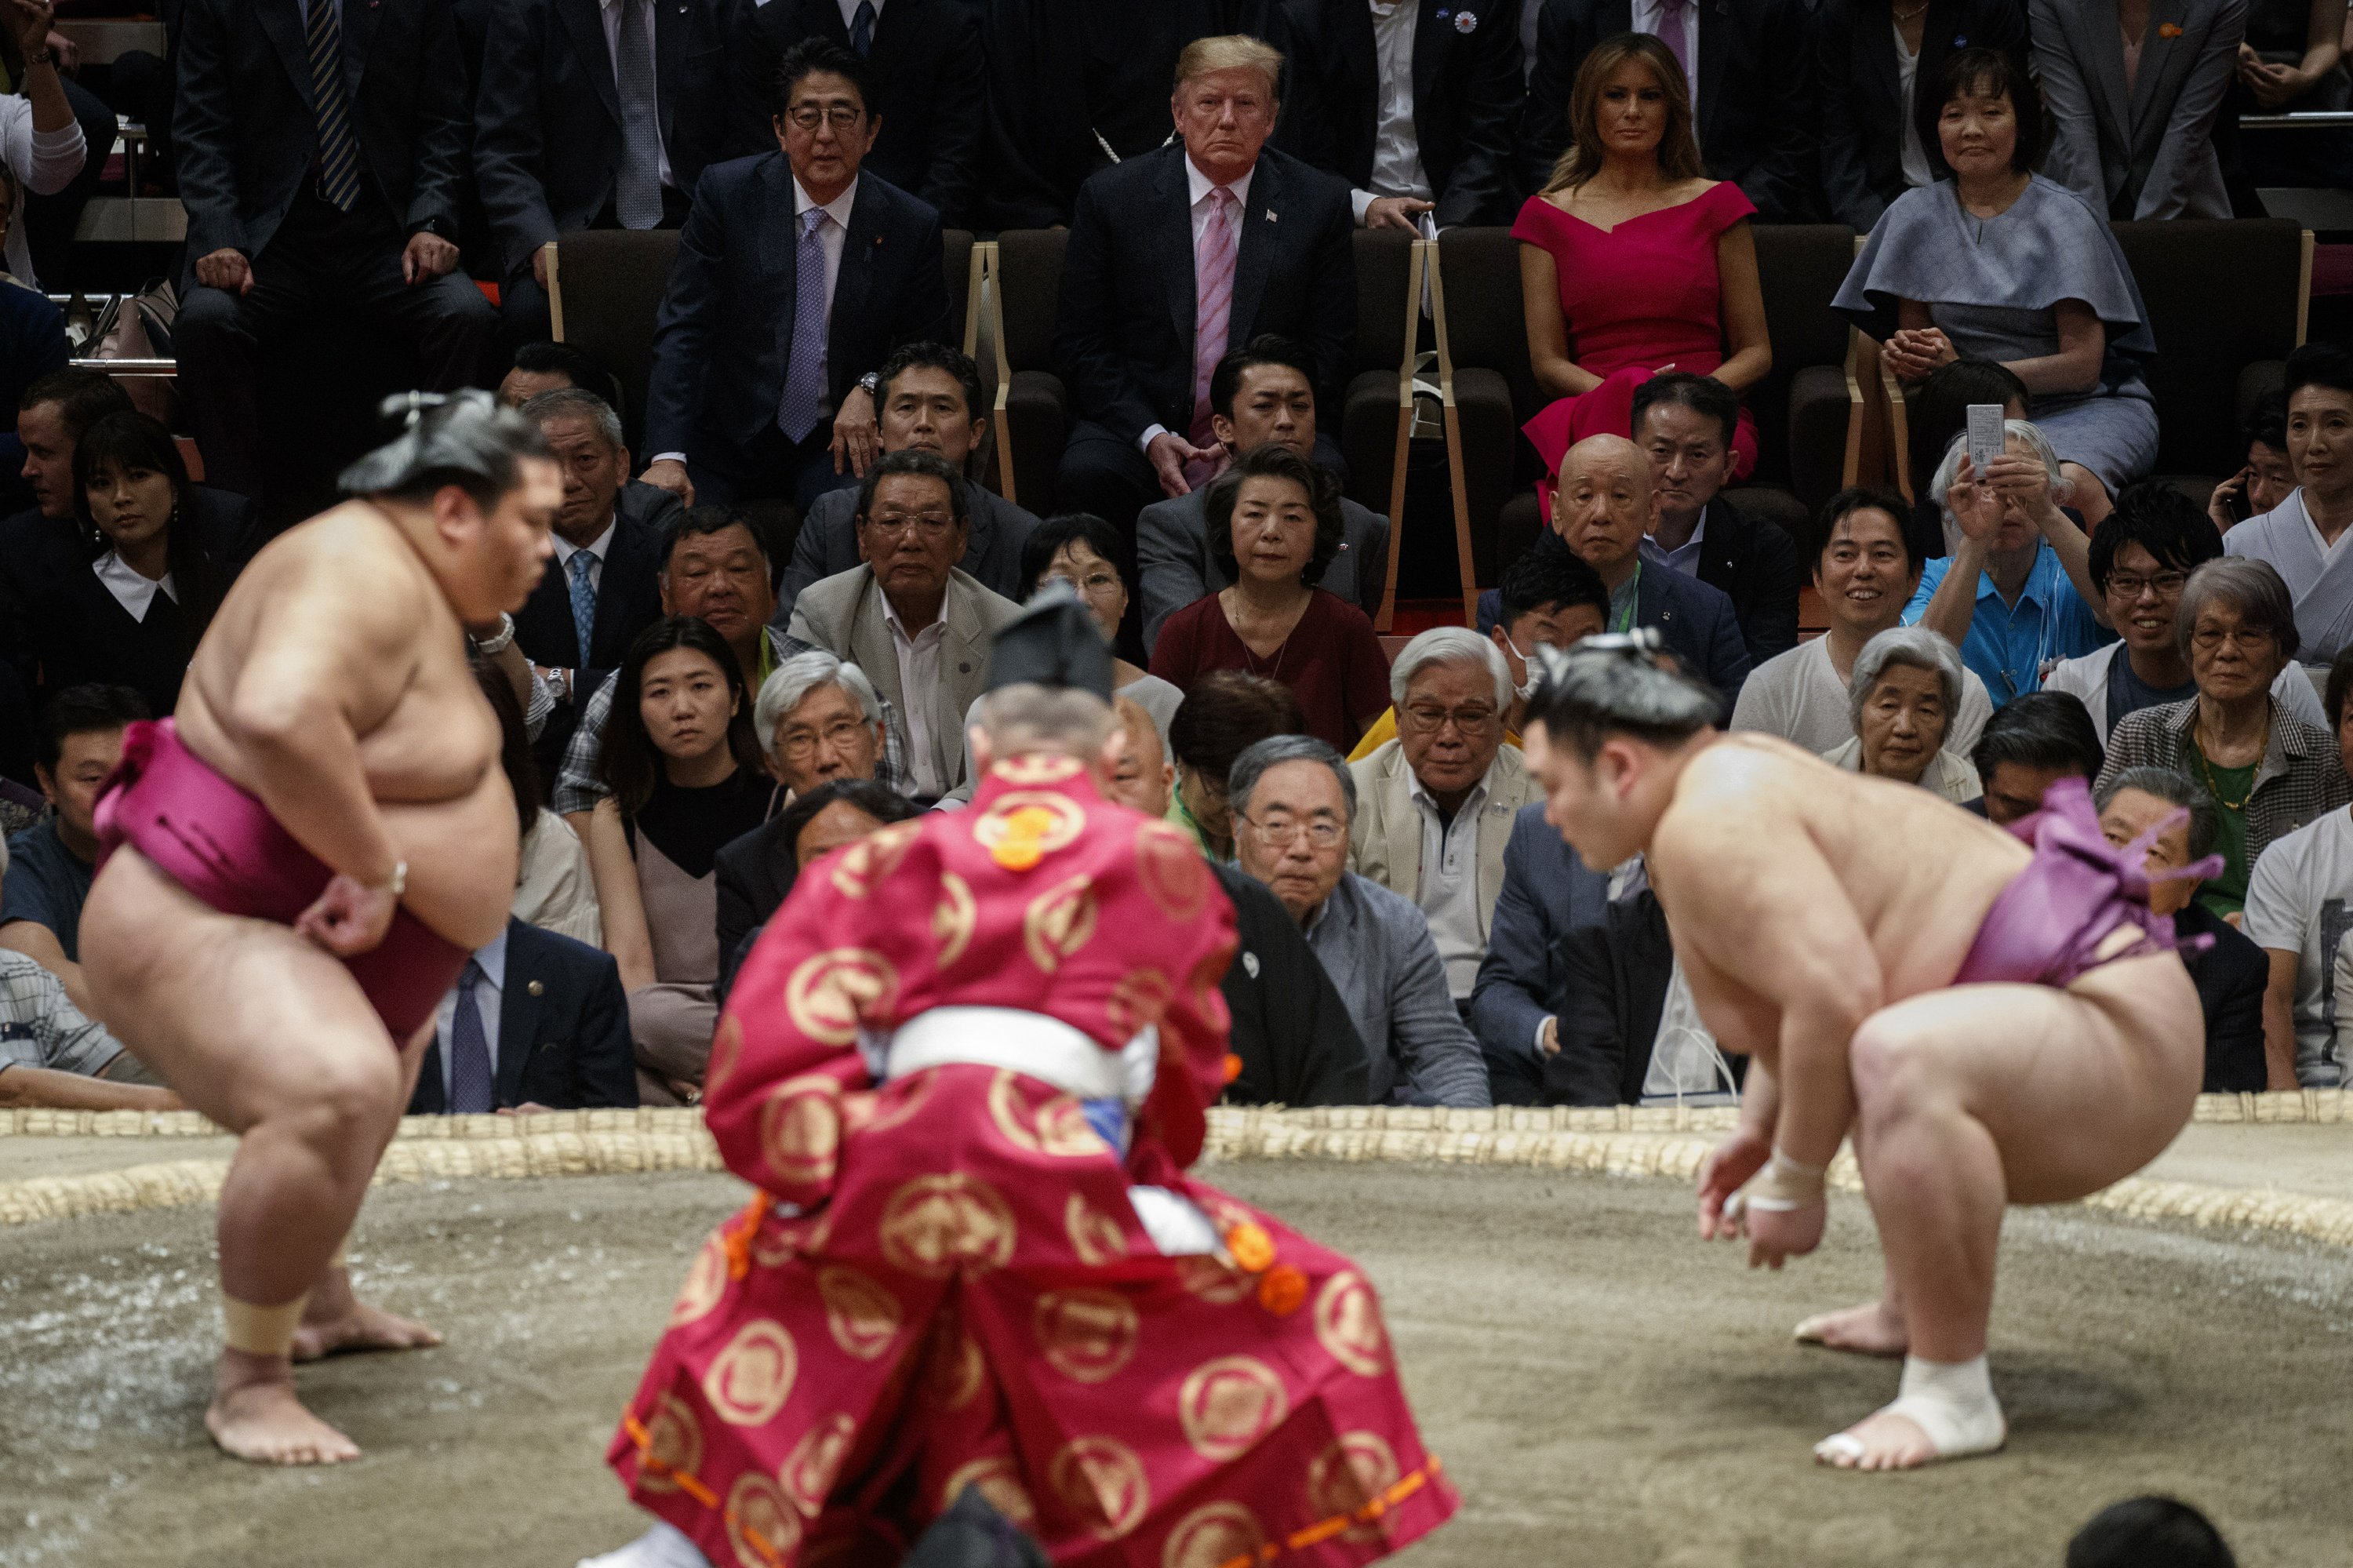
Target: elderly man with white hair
x,y
1907,691
2016,594
1434,807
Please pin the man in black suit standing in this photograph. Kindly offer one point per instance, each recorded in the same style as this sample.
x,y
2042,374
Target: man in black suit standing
x,y
537,1022
931,87
796,276
604,587
321,144
1876,146
1179,255
595,114
1417,112
1750,62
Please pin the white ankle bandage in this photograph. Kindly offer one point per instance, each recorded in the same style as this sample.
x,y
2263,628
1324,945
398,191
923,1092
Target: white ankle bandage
x,y
261,1330
1951,1403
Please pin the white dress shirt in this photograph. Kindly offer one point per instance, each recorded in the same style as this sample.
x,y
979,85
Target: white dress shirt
x,y
1916,172
1397,151
492,956
611,10
1648,16
919,680
131,591
595,547
1449,892
1197,188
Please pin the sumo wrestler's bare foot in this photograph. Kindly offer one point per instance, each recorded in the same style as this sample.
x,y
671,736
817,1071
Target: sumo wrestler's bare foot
x,y
255,1416
1946,1411
337,1322
1873,1329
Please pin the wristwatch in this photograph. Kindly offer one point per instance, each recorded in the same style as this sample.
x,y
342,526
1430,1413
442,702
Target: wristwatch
x,y
871,384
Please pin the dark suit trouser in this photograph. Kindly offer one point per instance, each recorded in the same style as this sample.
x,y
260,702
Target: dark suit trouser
x,y
773,469
320,260
524,312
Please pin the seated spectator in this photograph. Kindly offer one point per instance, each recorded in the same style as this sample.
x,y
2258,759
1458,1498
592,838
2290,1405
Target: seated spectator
x,y
1630,1033
737,415
1298,1045
604,584
41,143
2015,592
2027,746
1523,987
930,400
1683,423
1906,688
554,888
51,414
1864,573
757,870
536,1021
715,569
1296,801
1599,513
684,774
2264,483
2229,969
1435,806
2268,771
1085,552
40,908
930,89
2140,558
2143,1533
1876,64
1225,713
53,1057
1627,251
579,128
301,208
919,626
2001,263
2149,151
32,346
1430,129
1262,393
2300,535
1274,526
2299,908
554,368
1937,410
1167,227
1739,72
2293,61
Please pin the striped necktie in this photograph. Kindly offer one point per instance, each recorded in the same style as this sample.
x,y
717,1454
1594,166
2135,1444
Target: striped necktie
x,y
339,150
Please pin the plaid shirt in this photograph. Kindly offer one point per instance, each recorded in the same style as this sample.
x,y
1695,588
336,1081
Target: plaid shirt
x,y
2299,778
40,1028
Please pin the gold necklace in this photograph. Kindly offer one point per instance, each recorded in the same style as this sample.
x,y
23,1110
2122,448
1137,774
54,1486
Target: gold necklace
x,y
2206,771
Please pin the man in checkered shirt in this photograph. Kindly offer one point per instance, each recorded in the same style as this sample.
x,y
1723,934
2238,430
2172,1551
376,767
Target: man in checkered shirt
x,y
54,1058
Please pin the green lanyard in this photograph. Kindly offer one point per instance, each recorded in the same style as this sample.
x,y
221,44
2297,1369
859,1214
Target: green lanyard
x,y
1633,601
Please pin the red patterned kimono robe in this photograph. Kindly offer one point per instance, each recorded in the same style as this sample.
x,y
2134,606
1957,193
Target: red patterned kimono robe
x,y
945,1282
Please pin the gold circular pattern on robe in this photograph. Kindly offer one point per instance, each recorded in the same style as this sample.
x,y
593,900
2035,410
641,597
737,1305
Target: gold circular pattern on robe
x,y
1057,1125
833,992
1094,1235
673,1442
860,1312
1038,768
1349,1323
1139,1001
1214,1280
1042,820
880,1109
749,1381
808,1471
800,1128
726,1050
999,1480
1229,1406
1349,1473
934,1225
706,1282
762,1525
953,918
953,1369
1087,1335
1169,865
1101,1481
1212,1536
874,857
1060,921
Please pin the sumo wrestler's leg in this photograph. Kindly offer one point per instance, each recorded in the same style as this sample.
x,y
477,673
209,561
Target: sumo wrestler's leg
x,y
1873,1329
269,1036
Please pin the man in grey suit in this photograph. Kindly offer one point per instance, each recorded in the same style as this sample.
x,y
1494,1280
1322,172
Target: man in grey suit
x,y
1263,392
1293,801
917,626
2144,149
927,398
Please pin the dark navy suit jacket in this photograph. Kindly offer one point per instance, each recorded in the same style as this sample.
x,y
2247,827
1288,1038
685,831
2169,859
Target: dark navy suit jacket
x,y
1697,622
629,592
564,1030
1547,892
724,331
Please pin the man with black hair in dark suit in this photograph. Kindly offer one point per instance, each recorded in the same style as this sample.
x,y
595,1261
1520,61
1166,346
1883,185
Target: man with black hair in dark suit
x,y
929,81
321,146
798,274
595,114
1875,145
537,1022
1685,425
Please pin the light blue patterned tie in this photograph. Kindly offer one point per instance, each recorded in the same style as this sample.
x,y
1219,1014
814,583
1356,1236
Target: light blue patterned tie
x,y
339,151
470,1093
804,401
637,187
584,602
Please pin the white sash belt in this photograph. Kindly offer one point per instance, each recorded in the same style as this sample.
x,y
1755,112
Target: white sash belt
x,y
1027,1043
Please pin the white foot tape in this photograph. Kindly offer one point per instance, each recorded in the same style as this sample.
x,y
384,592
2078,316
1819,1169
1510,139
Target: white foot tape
x,y
661,1547
1951,1403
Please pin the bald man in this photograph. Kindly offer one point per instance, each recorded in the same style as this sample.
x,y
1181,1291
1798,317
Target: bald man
x,y
1600,511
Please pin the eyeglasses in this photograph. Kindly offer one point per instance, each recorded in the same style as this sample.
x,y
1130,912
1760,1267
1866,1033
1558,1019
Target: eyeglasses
x,y
799,745
1281,833
2128,585
1432,720
1094,585
930,525
840,116
2211,638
